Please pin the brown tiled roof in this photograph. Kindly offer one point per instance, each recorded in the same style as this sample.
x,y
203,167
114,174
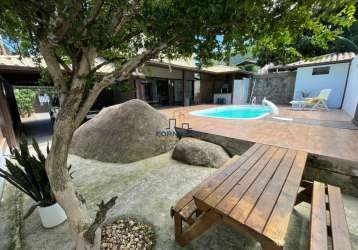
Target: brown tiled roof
x,y
20,63
15,62
318,60
326,59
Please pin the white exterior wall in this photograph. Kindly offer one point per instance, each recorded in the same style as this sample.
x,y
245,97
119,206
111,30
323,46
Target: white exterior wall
x,y
335,80
351,96
241,91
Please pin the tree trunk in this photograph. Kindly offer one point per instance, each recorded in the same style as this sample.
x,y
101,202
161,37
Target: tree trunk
x,y
63,188
65,125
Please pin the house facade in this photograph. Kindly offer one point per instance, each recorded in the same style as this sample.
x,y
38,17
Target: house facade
x,y
160,83
336,71
183,83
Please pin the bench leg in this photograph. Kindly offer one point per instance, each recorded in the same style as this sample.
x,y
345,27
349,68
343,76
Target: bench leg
x,y
270,246
178,226
200,226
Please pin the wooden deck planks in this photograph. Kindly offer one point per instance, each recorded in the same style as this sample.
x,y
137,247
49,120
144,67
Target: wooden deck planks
x,y
215,180
226,194
260,193
260,214
185,199
244,207
188,210
318,218
180,204
339,227
276,227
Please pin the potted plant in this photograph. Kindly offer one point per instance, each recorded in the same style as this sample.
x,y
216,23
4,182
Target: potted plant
x,y
29,176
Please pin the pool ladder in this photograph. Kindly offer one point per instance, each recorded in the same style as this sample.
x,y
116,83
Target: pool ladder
x,y
253,100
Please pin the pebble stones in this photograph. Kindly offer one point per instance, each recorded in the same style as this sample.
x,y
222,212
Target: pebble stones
x,y
127,234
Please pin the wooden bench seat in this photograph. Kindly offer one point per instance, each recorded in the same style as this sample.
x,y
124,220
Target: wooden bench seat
x,y
185,207
186,210
328,219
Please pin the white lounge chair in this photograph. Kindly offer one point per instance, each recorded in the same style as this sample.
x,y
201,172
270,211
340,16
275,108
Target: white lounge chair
x,y
314,103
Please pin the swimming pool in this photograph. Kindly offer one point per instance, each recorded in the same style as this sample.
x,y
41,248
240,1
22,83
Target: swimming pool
x,y
235,112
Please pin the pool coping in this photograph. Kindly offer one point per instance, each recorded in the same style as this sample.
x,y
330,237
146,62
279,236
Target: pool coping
x,y
195,113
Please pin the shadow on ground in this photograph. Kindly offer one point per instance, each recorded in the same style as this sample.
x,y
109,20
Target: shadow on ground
x,y
38,126
147,189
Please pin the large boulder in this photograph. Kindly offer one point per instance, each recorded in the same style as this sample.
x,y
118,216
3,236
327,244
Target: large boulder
x,y
124,133
201,153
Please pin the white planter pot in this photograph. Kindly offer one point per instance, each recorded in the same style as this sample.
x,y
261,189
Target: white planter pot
x,y
52,216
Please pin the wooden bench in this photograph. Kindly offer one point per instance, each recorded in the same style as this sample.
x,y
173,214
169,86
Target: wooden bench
x,y
185,209
255,194
326,197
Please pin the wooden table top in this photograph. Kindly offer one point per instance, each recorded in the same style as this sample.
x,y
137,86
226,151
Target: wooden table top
x,y
258,191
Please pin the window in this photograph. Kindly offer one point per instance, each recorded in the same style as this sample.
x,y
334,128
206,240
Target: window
x,y
320,71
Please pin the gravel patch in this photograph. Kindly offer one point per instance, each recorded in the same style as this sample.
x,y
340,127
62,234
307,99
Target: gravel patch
x,y
127,233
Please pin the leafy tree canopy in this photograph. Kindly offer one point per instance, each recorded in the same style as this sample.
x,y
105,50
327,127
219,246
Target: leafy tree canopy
x,y
70,34
316,37
348,41
119,29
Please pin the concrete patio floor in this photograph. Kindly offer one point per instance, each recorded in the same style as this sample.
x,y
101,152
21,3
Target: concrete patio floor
x,y
147,189
312,136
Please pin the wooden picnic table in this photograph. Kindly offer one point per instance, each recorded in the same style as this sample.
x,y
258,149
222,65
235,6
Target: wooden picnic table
x,y
256,194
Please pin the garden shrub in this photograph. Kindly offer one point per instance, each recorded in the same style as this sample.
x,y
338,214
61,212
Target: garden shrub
x,y
25,99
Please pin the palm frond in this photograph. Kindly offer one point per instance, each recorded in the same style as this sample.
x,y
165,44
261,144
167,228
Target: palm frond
x,y
354,38
29,175
346,44
40,156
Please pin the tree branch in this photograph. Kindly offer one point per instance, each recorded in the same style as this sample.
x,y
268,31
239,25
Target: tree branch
x,y
53,66
63,25
95,11
89,235
104,63
123,17
117,75
63,63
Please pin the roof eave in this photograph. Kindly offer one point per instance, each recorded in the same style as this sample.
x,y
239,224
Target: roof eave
x,y
175,66
19,68
227,72
310,64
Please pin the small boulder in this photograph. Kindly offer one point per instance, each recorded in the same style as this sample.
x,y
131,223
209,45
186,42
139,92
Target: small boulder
x,y
124,133
197,152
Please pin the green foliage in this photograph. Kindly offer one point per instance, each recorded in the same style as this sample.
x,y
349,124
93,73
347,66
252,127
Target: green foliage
x,y
273,28
316,37
29,175
250,67
24,100
126,86
349,40
129,33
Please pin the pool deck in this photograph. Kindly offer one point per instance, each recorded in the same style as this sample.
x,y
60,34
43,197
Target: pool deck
x,y
319,132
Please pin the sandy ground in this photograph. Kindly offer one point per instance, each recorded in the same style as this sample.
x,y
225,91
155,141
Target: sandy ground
x,y
147,189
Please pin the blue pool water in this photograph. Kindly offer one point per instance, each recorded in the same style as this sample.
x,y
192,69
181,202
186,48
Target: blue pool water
x,y
235,112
